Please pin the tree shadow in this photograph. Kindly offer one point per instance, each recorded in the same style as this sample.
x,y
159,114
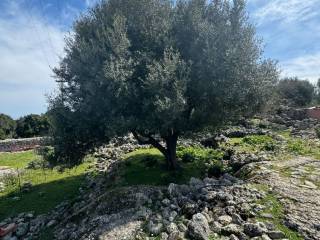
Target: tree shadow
x,y
151,169
41,198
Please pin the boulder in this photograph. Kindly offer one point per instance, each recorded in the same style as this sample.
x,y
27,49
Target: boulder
x,y
198,229
253,229
225,219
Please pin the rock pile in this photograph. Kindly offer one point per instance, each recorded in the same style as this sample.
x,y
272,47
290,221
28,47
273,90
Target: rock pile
x,y
224,208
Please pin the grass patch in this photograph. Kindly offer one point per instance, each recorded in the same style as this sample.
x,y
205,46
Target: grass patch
x,y
147,166
49,186
253,143
285,133
18,159
275,208
299,147
260,142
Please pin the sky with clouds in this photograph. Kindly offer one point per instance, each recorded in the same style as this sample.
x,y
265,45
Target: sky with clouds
x,y
32,40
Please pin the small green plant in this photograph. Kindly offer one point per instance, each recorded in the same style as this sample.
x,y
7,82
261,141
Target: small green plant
x,y
298,146
263,142
199,154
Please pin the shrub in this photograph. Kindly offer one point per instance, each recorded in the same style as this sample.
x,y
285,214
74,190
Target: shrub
x,y
47,153
216,169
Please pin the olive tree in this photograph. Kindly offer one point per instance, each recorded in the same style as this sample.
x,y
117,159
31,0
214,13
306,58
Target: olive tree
x,y
157,69
7,126
296,92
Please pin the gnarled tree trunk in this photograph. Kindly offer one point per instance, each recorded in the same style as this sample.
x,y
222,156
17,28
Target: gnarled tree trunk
x,y
169,150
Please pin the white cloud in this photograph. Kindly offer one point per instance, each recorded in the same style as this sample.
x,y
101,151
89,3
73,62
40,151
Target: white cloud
x,y
28,45
287,11
90,3
304,67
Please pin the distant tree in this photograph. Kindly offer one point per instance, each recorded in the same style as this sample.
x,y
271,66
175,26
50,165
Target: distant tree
x,y
7,126
157,69
296,92
32,125
317,92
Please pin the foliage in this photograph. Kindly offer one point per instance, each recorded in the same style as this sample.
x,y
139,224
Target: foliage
x,y
7,126
176,68
47,154
50,186
296,92
32,125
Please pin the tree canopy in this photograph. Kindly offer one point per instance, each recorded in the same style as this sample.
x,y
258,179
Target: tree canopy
x,y
7,126
32,125
158,69
296,92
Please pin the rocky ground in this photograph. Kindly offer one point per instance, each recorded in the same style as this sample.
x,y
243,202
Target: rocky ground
x,y
296,183
269,197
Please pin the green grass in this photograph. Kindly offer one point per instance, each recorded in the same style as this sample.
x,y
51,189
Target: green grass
x,y
147,167
50,187
285,133
253,143
275,208
18,159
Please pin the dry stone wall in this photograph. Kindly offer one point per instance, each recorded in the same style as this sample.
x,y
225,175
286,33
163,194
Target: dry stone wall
x,y
14,145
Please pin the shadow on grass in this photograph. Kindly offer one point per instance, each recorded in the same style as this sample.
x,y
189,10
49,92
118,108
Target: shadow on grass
x,y
42,198
144,168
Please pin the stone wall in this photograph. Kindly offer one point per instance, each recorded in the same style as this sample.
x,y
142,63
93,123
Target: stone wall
x,y
14,145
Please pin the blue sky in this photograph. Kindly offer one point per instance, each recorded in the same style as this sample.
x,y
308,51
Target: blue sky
x,y
32,39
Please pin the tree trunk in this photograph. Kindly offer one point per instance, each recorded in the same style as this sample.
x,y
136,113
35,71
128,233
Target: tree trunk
x,y
171,148
169,151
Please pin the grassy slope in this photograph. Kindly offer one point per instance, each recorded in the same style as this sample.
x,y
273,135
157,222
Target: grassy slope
x,y
50,187
147,166
18,159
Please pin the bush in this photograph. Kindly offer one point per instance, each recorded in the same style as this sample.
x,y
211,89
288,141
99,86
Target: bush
x,y
216,169
47,153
